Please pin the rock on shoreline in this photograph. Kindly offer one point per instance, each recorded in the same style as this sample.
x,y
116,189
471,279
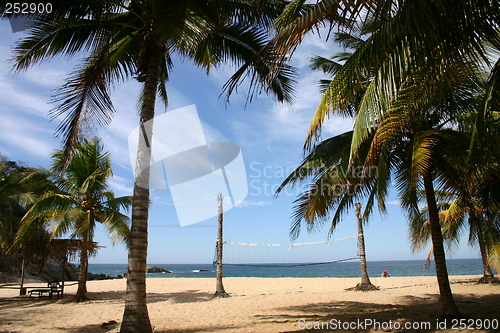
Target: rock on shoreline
x,y
154,269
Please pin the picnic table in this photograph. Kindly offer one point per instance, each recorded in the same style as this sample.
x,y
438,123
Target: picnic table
x,y
53,287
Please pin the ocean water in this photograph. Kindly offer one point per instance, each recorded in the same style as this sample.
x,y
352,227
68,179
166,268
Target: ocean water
x,y
339,269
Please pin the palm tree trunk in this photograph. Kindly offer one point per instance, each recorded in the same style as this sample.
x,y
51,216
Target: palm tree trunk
x,y
135,316
80,293
449,307
86,275
219,290
365,284
63,275
22,290
488,274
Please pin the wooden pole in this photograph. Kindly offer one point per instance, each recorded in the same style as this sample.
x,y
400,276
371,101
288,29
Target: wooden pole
x,y
219,290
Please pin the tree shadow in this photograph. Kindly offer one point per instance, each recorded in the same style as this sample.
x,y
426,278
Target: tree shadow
x,y
188,296
203,329
22,302
422,310
27,302
113,327
91,328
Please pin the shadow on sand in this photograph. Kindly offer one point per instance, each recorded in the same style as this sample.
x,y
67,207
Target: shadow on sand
x,y
423,310
418,311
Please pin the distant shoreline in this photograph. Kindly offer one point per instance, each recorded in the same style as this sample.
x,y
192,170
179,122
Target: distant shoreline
x,y
354,260
344,269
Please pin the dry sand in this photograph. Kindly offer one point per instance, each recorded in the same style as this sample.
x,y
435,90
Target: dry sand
x,y
257,305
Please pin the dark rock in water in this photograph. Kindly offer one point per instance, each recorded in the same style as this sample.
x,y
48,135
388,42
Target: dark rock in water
x,y
205,270
153,269
91,276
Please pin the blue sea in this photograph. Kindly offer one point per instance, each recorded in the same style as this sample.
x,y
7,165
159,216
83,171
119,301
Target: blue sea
x,y
339,269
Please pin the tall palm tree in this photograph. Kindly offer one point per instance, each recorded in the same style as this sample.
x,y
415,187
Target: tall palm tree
x,y
219,289
16,196
454,216
408,124
137,38
473,202
11,209
82,200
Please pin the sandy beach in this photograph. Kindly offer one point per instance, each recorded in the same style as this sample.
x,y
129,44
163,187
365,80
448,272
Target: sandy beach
x,y
403,304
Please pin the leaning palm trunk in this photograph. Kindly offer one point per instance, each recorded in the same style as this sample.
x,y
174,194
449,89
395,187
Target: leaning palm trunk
x,y
219,290
449,307
82,278
488,276
135,316
365,284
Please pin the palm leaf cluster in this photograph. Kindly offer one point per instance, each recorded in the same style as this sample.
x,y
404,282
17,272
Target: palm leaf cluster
x,y
140,39
410,82
79,200
16,196
117,37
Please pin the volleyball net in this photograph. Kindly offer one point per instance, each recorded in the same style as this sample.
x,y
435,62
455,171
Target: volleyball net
x,y
289,255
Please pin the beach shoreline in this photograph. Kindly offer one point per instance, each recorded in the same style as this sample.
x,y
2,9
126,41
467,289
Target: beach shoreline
x,y
257,305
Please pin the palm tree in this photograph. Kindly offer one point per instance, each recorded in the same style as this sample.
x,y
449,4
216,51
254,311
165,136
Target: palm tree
x,y
11,209
454,216
219,289
473,201
137,38
411,128
82,200
335,183
16,196
365,284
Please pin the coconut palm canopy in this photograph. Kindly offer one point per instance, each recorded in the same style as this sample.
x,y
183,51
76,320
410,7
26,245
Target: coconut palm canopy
x,y
70,248
136,39
406,110
417,55
262,124
80,200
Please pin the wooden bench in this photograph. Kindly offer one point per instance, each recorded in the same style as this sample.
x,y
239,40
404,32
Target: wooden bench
x,y
53,287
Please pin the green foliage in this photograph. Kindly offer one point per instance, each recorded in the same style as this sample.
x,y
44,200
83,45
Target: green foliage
x,y
116,37
81,198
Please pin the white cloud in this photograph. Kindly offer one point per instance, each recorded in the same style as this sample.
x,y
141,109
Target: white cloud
x,y
120,186
27,134
49,75
161,200
248,203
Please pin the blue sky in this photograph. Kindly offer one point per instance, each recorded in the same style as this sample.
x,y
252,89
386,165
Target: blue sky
x,y
270,136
